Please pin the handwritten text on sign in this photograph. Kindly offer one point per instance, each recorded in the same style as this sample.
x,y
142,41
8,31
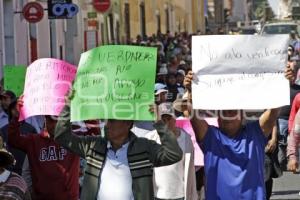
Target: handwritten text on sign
x,y
115,82
47,82
14,78
239,72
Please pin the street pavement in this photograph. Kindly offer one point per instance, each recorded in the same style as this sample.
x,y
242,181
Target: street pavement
x,y
287,187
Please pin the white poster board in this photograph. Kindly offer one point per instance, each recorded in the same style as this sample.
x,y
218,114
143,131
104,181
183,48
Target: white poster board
x,y
239,72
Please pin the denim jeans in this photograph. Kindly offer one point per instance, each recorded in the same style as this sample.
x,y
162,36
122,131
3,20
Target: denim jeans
x,y
282,141
282,130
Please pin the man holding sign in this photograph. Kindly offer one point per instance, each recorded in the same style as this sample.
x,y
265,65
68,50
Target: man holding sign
x,y
233,153
111,84
236,149
54,170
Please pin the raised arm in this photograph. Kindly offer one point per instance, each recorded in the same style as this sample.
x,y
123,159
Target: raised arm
x,y
64,136
198,122
166,153
268,120
272,143
269,117
292,151
199,125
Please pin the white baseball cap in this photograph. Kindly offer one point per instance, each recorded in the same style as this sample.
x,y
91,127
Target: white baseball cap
x,y
159,88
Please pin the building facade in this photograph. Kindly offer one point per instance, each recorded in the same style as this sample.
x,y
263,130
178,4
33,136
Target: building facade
x,y
145,17
22,42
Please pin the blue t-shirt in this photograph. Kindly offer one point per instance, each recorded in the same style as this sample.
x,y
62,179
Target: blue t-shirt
x,y
234,167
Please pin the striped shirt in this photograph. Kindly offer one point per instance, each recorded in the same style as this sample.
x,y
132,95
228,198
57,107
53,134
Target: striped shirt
x,y
14,188
116,171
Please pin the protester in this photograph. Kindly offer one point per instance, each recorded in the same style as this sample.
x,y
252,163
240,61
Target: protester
x,y
119,158
30,125
173,65
272,167
294,136
181,107
123,151
294,110
160,93
293,146
282,123
85,128
12,186
25,128
291,51
54,170
172,87
6,98
238,149
293,38
297,50
175,181
161,76
179,80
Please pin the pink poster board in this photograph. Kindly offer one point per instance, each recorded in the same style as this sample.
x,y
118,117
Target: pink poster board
x,y
47,82
186,125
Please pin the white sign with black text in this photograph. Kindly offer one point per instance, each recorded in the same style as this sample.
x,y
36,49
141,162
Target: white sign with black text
x,y
240,72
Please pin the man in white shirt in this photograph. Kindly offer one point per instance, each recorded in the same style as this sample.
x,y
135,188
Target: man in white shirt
x,y
176,181
116,170
120,165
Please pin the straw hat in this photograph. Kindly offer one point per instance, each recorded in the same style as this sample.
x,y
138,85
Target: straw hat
x,y
180,100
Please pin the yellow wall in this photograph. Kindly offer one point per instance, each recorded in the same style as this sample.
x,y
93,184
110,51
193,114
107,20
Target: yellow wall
x,y
186,14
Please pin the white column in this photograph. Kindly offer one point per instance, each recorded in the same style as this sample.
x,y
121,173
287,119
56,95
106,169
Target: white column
x,y
79,39
175,23
101,19
74,37
173,19
60,38
43,35
188,12
20,35
8,32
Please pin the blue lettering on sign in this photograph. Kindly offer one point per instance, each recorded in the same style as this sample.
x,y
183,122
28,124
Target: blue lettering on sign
x,y
59,9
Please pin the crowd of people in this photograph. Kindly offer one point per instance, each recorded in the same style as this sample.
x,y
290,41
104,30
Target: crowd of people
x,y
48,157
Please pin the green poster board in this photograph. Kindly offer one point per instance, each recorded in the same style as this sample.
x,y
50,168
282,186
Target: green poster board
x,y
115,82
14,78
